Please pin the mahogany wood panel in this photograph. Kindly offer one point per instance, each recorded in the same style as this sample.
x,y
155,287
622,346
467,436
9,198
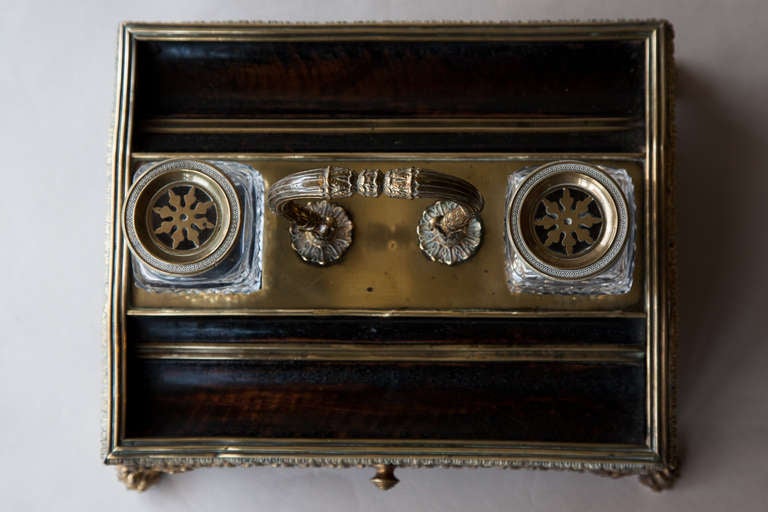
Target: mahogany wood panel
x,y
365,79
519,331
385,79
482,401
624,141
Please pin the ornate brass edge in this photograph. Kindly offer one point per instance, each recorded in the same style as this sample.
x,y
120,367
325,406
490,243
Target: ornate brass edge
x,y
172,464
116,162
168,125
664,318
138,478
402,30
671,470
618,23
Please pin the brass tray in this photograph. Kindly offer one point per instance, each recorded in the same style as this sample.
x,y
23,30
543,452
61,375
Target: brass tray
x,y
364,362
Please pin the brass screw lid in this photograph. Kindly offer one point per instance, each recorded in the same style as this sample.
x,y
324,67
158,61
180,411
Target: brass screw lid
x,y
182,217
568,220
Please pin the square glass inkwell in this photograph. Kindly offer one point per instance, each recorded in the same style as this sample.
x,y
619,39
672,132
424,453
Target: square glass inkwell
x,y
570,229
194,225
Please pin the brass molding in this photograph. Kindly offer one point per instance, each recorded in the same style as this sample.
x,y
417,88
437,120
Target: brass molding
x,y
413,352
212,125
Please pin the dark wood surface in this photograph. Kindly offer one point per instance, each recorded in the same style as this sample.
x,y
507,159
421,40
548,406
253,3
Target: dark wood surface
x,y
623,141
390,79
364,79
375,330
596,403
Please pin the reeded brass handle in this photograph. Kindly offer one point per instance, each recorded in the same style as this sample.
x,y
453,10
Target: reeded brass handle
x,y
449,230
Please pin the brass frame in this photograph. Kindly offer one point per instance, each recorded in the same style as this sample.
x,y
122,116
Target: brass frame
x,y
657,460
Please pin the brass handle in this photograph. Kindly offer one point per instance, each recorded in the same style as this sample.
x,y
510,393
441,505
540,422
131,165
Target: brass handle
x,y
449,231
314,184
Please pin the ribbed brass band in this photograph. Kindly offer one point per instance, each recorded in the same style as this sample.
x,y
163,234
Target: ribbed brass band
x,y
414,183
314,184
337,182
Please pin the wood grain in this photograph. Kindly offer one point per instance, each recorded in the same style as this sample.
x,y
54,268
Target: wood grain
x,y
517,401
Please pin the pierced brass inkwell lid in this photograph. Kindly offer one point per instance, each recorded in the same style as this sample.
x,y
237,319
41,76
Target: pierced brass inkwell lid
x,y
568,220
182,217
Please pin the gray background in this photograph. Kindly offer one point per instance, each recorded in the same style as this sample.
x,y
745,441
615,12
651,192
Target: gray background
x,y
56,81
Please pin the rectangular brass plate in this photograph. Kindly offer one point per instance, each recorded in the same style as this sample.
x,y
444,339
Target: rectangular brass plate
x,y
384,272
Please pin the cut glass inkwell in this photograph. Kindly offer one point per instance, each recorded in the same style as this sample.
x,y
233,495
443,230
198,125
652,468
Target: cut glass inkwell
x,y
192,225
570,229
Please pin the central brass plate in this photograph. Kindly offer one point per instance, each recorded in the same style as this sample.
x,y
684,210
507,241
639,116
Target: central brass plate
x,y
384,272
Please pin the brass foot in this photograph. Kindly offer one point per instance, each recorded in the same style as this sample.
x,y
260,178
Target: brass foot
x,y
662,479
137,479
385,478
